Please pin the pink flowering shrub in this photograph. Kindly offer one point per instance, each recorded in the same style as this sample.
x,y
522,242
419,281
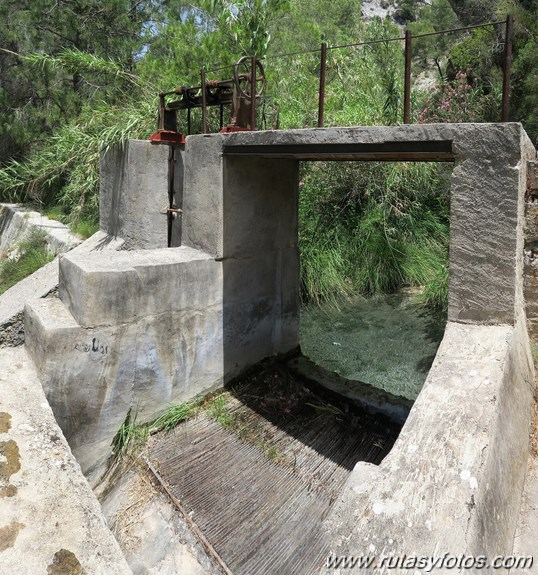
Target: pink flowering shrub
x,y
455,101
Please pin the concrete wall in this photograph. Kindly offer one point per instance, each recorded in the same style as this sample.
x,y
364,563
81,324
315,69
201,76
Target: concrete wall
x,y
50,521
17,222
453,481
487,187
142,328
146,327
243,211
134,193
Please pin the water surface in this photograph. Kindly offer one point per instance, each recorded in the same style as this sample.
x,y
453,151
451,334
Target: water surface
x,y
387,341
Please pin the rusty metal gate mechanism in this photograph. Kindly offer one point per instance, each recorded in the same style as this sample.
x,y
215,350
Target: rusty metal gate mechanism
x,y
239,92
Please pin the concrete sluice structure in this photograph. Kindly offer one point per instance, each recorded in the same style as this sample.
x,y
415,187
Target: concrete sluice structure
x,y
148,325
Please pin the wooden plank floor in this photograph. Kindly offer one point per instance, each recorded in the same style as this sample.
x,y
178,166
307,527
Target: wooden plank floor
x,y
260,487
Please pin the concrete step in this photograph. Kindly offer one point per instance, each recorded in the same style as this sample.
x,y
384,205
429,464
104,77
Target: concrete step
x,y
50,520
128,285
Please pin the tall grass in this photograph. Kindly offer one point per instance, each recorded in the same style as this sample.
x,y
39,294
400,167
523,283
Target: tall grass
x,y
63,170
32,254
373,228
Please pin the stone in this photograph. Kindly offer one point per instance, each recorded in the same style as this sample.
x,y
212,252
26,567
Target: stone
x,y
532,178
531,222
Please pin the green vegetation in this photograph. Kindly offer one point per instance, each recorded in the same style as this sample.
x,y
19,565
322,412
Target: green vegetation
x,y
373,228
130,437
77,76
217,409
175,414
30,254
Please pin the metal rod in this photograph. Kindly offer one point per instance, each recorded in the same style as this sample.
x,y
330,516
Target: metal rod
x,y
460,29
357,44
253,94
407,78
204,103
221,116
188,121
322,75
507,68
188,519
170,214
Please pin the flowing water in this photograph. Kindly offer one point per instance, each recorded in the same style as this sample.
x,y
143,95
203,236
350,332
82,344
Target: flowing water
x,y
387,341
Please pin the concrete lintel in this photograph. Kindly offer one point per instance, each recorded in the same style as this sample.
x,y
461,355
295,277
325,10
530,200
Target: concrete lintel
x,y
467,139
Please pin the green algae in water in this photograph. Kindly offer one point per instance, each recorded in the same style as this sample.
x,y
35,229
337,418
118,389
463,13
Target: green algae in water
x,y
387,341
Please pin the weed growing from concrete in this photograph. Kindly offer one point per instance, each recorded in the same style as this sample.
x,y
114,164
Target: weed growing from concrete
x,y
217,409
130,437
175,414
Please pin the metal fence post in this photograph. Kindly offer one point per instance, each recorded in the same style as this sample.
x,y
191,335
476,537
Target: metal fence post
x,y
204,103
507,68
407,78
322,74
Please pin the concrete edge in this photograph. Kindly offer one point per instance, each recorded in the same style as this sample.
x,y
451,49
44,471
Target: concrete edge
x,y
39,285
370,398
51,520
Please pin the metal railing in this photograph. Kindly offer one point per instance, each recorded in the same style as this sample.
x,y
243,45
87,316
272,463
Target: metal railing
x,y
407,39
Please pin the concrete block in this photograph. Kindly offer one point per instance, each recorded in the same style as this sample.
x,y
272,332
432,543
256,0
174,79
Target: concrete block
x,y
486,231
87,376
131,285
203,210
248,334
260,205
40,284
134,193
240,207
